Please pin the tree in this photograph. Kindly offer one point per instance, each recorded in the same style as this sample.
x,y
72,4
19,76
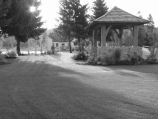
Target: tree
x,y
58,34
4,7
147,34
149,39
141,35
99,8
151,24
66,18
24,24
74,20
80,22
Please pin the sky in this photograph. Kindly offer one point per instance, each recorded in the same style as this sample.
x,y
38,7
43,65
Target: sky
x,y
50,9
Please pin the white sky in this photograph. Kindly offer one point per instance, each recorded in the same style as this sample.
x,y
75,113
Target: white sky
x,y
50,9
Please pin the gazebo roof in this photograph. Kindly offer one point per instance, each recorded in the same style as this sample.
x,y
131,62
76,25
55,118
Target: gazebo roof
x,y
119,16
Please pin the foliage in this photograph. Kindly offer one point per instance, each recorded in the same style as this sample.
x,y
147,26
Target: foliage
x,y
2,59
99,8
11,54
73,20
80,19
141,35
4,7
80,56
151,60
151,24
111,57
116,56
93,61
66,14
58,34
148,34
152,57
24,24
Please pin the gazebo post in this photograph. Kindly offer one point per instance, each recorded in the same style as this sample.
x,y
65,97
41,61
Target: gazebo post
x,y
120,36
103,36
104,33
135,35
94,46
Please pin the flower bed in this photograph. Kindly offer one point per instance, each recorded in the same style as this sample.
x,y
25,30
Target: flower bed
x,y
121,56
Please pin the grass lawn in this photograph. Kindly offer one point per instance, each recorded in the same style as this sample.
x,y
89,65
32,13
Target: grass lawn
x,y
47,87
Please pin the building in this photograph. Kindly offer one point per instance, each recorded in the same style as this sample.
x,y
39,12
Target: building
x,y
62,45
112,26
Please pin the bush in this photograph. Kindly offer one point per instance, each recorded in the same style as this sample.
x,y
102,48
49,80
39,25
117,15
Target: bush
x,y
117,55
92,60
80,56
49,52
108,59
11,54
2,59
111,57
151,59
124,56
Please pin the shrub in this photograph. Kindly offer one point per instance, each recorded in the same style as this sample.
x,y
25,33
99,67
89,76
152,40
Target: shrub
x,y
120,56
108,59
92,60
151,59
111,57
117,55
80,56
49,52
11,54
2,59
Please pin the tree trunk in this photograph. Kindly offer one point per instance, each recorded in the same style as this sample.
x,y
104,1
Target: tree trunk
x,y
79,44
41,49
94,45
18,46
82,45
70,48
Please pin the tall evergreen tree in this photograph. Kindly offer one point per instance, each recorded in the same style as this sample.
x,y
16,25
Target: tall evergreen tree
x,y
58,34
80,22
151,24
24,24
99,8
66,18
74,19
4,7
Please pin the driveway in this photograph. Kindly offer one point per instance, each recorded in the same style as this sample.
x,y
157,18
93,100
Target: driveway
x,y
56,87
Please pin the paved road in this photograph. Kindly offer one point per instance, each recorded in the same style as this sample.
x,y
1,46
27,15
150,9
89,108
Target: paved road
x,y
45,87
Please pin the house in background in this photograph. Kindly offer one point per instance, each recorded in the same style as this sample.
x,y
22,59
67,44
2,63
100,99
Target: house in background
x,y
62,45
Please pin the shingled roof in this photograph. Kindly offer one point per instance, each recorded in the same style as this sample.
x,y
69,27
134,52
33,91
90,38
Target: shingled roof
x,y
117,15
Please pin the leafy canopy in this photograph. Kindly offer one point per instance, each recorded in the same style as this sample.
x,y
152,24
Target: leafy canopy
x,y
99,8
24,24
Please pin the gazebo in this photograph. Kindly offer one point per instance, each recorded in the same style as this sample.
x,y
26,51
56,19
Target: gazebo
x,y
116,20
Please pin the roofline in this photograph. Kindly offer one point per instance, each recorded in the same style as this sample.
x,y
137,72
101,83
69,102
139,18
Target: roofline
x,y
145,21
119,22
104,14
